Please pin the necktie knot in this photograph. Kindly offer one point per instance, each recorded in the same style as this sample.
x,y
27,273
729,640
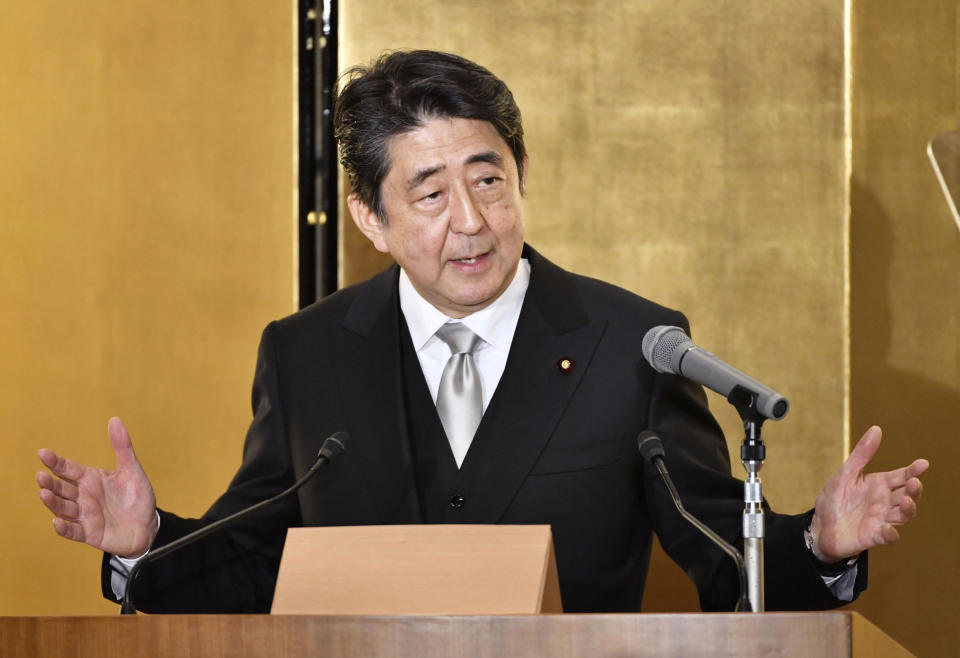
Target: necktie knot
x,y
458,337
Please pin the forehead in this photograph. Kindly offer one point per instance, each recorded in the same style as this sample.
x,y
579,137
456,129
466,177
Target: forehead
x,y
443,143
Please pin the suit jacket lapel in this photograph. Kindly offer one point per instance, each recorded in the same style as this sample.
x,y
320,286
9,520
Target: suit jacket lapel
x,y
534,390
367,358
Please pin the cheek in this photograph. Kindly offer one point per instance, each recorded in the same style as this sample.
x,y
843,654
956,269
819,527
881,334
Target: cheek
x,y
425,242
506,219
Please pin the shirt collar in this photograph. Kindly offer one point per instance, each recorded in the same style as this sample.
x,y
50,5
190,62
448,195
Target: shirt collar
x,y
495,324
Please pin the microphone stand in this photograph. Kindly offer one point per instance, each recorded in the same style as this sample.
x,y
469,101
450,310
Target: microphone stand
x,y
652,450
752,455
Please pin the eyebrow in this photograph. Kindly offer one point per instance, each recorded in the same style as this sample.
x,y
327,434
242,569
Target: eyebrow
x,y
490,157
423,174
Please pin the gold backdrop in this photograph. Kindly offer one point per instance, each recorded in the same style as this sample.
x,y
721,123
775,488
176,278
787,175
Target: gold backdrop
x,y
693,153
697,153
146,237
905,307
761,166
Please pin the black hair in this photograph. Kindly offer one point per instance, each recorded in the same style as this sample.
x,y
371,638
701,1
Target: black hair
x,y
397,93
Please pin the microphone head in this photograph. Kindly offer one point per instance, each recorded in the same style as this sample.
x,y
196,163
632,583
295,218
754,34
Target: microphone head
x,y
663,346
334,445
650,446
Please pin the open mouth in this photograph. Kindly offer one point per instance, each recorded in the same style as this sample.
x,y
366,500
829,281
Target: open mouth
x,y
471,260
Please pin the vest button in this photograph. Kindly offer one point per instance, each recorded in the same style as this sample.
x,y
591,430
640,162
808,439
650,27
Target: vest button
x,y
457,502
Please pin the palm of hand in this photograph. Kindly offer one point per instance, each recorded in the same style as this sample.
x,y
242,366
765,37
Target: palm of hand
x,y
116,510
856,512
113,511
853,516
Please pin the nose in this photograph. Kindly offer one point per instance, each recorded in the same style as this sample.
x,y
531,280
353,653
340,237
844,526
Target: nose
x,y
466,215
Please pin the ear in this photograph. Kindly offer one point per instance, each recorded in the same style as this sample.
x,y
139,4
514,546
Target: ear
x,y
367,221
526,172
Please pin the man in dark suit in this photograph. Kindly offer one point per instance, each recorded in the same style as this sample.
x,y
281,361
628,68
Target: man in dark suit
x,y
534,422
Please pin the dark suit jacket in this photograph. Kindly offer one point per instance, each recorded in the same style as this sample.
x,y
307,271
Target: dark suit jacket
x,y
557,447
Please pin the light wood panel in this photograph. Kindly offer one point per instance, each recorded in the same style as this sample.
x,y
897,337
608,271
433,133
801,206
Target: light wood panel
x,y
436,569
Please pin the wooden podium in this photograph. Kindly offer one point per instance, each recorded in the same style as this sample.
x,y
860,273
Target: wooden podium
x,y
407,574
820,634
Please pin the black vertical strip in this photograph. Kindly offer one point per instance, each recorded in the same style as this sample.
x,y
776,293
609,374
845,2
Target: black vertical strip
x,y
306,148
326,185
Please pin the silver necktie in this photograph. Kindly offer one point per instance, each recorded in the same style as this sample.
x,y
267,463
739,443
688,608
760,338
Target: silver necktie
x,y
460,397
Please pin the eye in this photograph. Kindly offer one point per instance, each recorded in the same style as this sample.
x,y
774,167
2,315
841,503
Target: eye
x,y
432,196
488,181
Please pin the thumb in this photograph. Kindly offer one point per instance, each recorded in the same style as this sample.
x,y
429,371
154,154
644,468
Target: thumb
x,y
122,446
863,452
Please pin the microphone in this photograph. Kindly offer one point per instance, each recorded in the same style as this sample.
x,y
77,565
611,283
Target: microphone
x,y
333,446
651,448
670,350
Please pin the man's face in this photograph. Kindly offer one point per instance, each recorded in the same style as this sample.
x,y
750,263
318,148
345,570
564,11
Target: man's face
x,y
454,219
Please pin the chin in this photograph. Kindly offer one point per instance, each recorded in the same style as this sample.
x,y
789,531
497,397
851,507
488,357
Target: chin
x,y
472,303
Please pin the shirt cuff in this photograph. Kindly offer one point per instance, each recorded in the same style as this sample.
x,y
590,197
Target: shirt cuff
x,y
842,586
121,566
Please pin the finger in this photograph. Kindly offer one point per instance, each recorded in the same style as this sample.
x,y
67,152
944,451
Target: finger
x,y
48,457
61,488
69,529
61,466
889,534
903,512
919,467
65,509
912,489
122,446
863,452
900,476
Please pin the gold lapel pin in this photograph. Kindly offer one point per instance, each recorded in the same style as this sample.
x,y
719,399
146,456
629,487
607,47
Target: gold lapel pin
x,y
565,364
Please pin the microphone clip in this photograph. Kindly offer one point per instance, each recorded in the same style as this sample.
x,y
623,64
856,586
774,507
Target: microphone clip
x,y
744,401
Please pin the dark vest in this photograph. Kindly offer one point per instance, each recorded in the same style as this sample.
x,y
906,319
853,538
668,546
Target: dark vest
x,y
442,488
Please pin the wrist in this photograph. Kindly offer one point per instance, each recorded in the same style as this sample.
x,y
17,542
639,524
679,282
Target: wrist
x,y
152,537
825,565
811,536
155,529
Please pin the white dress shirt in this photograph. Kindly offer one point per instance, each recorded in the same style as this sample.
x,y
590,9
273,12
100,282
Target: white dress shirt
x,y
495,325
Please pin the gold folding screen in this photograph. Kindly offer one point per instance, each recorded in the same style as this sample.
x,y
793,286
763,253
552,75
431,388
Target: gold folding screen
x,y
691,152
697,153
761,166
146,237
905,307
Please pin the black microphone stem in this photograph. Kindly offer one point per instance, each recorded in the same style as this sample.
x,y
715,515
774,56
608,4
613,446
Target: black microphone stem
x,y
743,604
332,447
651,448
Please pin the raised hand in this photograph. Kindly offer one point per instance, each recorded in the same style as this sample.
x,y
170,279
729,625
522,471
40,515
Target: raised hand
x,y
114,511
856,512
